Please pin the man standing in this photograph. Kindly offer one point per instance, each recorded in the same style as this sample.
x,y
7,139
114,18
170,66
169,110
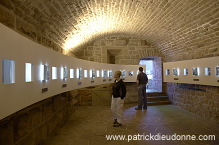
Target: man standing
x,y
142,81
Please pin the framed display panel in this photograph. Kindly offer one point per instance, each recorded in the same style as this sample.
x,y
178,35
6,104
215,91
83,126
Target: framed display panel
x,y
167,72
79,73
54,73
208,71
65,73
85,73
197,71
130,73
175,71
28,72
8,71
185,71
110,72
44,75
71,73
92,73
104,73
123,73
98,73
217,71
46,72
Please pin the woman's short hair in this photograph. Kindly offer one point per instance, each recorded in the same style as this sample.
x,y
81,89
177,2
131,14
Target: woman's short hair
x,y
119,73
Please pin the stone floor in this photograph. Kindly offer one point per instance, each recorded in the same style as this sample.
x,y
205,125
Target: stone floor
x,y
89,126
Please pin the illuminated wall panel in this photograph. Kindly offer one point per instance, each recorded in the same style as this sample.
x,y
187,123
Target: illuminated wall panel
x,y
64,73
85,74
28,72
196,71
98,73
71,73
8,71
54,73
44,72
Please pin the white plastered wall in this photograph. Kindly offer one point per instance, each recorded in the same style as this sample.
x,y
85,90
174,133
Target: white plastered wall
x,y
202,79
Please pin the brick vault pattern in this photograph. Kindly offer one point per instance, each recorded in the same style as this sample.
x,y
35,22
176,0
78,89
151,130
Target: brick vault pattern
x,y
174,26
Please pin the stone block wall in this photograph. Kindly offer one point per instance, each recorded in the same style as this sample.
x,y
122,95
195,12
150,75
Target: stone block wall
x,y
132,93
126,50
157,75
101,95
199,99
16,18
34,124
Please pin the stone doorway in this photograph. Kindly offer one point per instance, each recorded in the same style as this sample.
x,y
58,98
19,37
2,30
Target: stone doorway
x,y
111,55
154,72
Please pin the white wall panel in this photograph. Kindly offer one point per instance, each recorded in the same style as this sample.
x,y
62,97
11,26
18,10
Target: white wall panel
x,y
14,97
201,64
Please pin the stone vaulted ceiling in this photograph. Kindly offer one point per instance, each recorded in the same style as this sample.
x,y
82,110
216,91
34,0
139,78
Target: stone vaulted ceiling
x,y
170,25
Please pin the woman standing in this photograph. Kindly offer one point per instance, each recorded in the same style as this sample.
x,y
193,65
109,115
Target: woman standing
x,y
118,95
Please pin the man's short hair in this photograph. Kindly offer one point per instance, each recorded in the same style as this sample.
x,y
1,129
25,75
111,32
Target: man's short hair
x,y
141,69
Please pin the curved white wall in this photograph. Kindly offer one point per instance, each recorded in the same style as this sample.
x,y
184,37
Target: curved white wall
x,y
18,95
208,71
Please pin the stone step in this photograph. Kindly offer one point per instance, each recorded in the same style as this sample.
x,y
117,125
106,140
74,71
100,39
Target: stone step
x,y
157,98
152,94
159,103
